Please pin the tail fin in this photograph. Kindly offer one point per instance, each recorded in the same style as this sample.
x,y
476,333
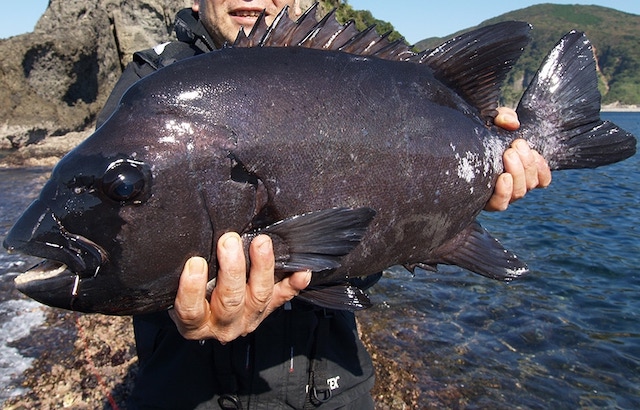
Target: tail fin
x,y
560,111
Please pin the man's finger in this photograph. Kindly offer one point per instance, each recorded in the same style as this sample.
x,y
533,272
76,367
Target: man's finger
x,y
507,119
501,197
528,159
190,306
229,294
544,172
261,278
288,288
513,165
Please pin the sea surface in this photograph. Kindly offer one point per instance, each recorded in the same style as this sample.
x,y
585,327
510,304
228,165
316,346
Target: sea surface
x,y
567,336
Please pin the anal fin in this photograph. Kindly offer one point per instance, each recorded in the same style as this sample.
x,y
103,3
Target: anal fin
x,y
476,250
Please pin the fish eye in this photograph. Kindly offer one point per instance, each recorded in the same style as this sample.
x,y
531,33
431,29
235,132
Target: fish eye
x,y
123,181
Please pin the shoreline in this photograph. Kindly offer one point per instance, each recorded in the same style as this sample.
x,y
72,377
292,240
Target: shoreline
x,y
619,108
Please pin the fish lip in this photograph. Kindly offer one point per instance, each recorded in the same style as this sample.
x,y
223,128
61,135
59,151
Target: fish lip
x,y
57,280
49,282
40,232
90,255
80,255
52,283
45,271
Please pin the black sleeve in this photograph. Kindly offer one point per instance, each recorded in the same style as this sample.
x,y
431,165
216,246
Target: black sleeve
x,y
132,73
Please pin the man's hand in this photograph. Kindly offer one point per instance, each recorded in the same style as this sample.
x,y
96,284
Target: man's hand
x,y
525,169
237,305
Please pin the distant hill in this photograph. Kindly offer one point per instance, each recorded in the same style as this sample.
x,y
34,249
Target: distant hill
x,y
615,36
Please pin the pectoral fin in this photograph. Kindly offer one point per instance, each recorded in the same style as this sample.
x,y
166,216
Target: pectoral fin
x,y
317,240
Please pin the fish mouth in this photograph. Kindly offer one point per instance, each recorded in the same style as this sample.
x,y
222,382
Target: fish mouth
x,y
70,258
45,270
50,282
54,284
39,232
57,283
77,254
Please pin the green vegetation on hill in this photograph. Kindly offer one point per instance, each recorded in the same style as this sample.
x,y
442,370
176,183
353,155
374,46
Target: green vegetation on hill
x,y
614,35
362,18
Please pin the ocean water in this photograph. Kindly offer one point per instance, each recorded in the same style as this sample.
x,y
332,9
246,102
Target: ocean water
x,y
566,336
18,315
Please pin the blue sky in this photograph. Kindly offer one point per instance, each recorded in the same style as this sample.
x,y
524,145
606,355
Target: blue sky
x,y
415,19
418,19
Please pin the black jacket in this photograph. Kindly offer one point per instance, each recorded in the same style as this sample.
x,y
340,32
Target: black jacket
x,y
299,357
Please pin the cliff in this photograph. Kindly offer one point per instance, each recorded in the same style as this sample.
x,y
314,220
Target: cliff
x,y
55,80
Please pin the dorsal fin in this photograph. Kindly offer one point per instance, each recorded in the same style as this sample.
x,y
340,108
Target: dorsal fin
x,y
474,64
326,34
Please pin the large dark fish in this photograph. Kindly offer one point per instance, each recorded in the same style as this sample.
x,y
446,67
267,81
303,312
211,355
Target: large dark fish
x,y
354,153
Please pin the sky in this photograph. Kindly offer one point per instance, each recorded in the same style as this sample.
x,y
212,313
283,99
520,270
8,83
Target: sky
x,y
415,19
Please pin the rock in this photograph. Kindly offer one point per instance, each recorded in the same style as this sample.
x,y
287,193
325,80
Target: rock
x,y
92,366
45,153
55,80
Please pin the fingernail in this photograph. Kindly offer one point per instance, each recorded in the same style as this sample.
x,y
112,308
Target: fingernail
x,y
197,266
265,246
308,278
231,243
523,146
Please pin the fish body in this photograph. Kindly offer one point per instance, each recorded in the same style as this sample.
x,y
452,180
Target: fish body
x,y
352,161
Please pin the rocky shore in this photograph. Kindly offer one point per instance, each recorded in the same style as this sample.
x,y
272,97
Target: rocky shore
x,y
45,153
82,362
89,362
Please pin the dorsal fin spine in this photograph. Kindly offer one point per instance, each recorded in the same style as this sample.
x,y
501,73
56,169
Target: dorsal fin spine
x,y
323,23
325,34
265,38
360,43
